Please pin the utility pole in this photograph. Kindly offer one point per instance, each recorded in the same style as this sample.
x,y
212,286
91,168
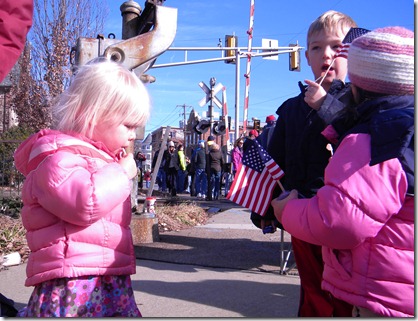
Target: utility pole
x,y
212,95
184,122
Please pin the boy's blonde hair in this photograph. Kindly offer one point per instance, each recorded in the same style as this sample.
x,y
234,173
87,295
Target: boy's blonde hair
x,y
332,21
101,92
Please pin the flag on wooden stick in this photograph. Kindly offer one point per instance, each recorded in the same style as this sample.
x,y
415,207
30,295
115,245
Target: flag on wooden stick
x,y
256,178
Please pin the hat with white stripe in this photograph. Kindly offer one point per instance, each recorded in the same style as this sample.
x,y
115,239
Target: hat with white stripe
x,y
382,61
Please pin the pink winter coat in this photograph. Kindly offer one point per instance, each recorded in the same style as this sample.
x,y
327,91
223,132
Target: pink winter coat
x,y
76,208
237,154
365,223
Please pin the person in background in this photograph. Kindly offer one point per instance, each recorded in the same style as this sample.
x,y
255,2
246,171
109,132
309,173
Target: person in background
x,y
188,178
181,173
364,215
237,153
172,165
253,134
161,174
211,140
76,197
267,133
191,173
215,164
139,159
300,150
147,178
200,168
227,168
227,176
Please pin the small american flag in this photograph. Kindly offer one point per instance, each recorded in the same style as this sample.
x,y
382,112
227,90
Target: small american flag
x,y
352,34
255,179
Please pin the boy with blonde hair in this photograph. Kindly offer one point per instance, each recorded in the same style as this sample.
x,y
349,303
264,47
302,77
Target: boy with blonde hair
x,y
300,150
363,217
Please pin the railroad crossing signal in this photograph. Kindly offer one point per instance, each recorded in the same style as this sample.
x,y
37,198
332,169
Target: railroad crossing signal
x,y
208,96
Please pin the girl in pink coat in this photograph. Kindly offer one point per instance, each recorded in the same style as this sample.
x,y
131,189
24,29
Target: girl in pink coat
x,y
364,215
237,154
76,197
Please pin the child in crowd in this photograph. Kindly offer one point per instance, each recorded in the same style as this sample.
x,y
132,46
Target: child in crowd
x,y
300,150
201,179
237,154
364,215
147,178
76,197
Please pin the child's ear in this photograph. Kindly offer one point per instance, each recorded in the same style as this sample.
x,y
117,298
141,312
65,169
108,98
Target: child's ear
x,y
307,57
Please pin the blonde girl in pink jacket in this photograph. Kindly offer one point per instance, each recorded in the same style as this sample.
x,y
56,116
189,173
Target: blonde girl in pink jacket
x,y
76,197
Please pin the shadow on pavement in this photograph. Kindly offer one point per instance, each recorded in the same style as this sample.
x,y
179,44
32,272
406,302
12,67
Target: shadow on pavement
x,y
218,248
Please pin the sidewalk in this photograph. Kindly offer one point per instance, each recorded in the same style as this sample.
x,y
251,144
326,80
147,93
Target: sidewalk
x,y
226,268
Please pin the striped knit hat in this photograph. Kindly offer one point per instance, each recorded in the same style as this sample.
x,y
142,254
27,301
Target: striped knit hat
x,y
382,61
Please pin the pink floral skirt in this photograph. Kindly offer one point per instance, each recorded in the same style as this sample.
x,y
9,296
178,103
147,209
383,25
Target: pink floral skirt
x,y
89,296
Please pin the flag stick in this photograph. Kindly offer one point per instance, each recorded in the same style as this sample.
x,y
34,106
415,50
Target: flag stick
x,y
323,77
281,186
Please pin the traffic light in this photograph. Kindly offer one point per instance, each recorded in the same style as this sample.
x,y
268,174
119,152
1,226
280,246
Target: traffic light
x,y
202,126
219,127
230,41
257,124
294,59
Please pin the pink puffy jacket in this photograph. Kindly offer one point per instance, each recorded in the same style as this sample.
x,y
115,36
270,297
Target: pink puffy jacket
x,y
76,208
365,222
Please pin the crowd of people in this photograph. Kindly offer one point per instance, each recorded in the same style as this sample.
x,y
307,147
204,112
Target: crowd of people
x,y
350,212
206,171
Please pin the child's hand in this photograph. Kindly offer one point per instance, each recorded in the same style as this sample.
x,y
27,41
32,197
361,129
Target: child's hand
x,y
314,95
128,163
280,202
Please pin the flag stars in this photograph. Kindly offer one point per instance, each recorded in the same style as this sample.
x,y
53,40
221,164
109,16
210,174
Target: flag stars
x,y
255,157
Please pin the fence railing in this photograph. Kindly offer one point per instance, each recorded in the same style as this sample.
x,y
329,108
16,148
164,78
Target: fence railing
x,y
11,180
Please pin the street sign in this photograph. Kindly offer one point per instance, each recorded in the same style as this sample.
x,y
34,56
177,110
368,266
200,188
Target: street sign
x,y
270,43
207,98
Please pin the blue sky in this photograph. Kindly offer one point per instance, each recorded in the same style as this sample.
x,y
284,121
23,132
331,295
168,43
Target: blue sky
x,y
202,23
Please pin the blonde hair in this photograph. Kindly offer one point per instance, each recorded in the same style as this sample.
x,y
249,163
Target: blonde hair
x,y
101,92
332,21
214,146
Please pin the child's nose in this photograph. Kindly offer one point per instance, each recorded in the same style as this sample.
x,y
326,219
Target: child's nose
x,y
328,52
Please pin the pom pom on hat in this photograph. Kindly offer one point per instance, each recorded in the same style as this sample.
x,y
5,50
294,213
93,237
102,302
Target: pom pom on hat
x,y
382,61
270,118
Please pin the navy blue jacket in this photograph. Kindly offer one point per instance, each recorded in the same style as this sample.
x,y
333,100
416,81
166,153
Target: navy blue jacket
x,y
297,144
390,122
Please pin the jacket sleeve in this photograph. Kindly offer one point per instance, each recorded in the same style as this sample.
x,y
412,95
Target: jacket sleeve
x,y
330,108
182,161
15,22
235,159
356,201
67,187
276,146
